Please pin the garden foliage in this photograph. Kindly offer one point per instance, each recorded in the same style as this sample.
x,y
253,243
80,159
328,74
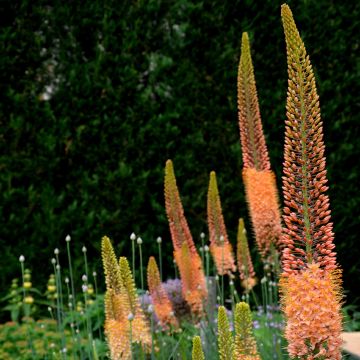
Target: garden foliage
x,y
97,95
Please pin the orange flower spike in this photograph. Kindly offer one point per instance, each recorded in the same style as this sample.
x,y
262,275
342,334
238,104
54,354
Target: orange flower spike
x,y
311,301
308,234
245,265
121,301
259,180
179,227
185,253
162,305
220,246
255,154
310,285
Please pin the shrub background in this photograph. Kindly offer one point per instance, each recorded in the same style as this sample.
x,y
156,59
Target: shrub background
x,y
137,82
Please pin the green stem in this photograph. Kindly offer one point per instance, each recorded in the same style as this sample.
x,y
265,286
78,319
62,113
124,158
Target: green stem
x,y
160,261
131,347
88,325
141,268
98,312
133,256
304,160
26,311
175,267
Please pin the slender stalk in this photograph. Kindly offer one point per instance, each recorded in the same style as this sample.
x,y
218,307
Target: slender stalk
x,y
58,315
59,292
96,294
159,241
139,242
88,321
265,293
70,271
152,337
202,237
232,290
206,250
73,294
133,238
256,301
131,347
84,250
72,324
222,270
175,267
22,259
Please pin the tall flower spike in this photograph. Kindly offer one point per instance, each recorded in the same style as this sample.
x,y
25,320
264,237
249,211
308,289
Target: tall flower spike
x,y
245,265
310,285
121,301
245,344
197,351
255,154
259,180
162,305
225,338
220,246
111,269
179,227
308,235
185,253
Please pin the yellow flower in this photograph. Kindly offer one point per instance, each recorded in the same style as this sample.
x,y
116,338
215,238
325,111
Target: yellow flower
x,y
197,352
28,300
51,288
27,284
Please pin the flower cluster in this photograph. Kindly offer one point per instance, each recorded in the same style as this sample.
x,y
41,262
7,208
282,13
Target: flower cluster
x,y
124,318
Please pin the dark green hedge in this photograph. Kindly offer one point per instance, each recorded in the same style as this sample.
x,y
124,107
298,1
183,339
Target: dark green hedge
x,y
138,82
